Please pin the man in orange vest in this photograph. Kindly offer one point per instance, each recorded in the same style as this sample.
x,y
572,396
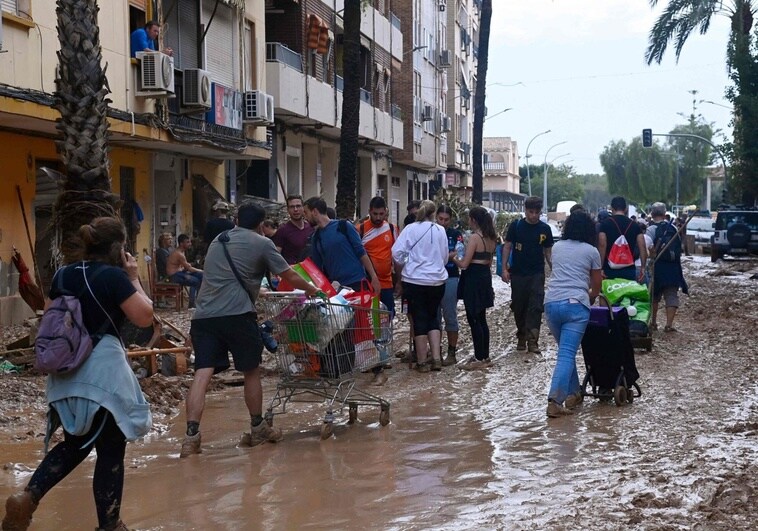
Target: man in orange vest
x,y
378,236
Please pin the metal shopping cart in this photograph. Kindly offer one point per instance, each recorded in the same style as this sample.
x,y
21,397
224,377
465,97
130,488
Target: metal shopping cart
x,y
323,345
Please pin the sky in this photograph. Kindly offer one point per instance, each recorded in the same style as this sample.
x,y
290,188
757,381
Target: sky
x,y
577,67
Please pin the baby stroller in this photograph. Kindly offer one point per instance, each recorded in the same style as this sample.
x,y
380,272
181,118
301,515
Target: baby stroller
x,y
609,355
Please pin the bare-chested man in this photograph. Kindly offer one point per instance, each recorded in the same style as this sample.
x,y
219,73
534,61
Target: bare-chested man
x,y
181,272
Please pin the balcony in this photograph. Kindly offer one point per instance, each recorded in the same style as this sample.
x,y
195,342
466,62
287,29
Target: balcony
x,y
397,113
278,53
366,96
339,83
495,167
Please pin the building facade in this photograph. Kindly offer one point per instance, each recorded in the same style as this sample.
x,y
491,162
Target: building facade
x,y
501,184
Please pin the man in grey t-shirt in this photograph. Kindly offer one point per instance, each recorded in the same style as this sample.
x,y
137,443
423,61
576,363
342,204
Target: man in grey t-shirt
x,y
226,321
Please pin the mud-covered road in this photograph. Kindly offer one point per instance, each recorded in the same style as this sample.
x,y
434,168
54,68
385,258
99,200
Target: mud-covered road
x,y
464,450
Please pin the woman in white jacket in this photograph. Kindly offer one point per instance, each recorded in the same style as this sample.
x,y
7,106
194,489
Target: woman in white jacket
x,y
422,250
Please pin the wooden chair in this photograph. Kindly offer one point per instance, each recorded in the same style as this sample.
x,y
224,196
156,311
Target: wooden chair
x,y
161,290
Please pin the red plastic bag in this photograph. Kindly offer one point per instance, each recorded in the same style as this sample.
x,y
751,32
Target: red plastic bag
x,y
309,272
366,316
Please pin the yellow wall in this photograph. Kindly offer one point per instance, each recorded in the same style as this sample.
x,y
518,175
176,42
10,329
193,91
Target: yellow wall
x,y
141,162
18,154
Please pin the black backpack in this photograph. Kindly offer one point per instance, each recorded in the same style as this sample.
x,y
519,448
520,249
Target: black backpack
x,y
665,233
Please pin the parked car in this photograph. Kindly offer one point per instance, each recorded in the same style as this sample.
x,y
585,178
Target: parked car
x,y
702,229
736,232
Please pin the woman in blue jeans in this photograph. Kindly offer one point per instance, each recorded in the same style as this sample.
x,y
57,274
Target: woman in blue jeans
x,y
574,283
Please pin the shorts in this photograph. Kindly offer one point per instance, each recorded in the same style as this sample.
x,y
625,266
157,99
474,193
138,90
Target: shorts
x,y
670,295
214,337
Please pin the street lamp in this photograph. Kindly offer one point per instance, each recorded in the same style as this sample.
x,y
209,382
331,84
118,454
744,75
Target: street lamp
x,y
528,176
497,113
544,184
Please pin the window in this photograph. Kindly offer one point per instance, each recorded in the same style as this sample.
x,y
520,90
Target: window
x,y
18,8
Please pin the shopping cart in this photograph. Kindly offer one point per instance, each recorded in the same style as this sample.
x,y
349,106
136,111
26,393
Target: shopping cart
x,y
323,345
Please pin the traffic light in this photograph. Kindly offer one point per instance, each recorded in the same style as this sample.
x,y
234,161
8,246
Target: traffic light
x,y
647,138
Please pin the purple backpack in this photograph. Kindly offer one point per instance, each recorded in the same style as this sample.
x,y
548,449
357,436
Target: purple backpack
x,y
63,342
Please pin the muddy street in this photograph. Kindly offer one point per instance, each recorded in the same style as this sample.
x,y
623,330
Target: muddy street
x,y
463,450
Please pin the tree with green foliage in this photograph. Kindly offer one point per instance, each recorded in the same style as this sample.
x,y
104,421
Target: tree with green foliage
x,y
677,22
561,185
642,175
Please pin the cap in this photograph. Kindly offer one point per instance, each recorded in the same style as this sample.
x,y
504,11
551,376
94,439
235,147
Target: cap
x,y
603,214
220,206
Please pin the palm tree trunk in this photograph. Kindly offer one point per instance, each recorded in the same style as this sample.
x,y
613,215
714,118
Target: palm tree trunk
x,y
479,99
351,102
80,93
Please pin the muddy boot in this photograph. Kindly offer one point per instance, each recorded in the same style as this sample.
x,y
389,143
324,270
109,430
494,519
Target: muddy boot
x,y
555,410
18,511
260,434
450,358
119,526
191,445
436,364
532,343
520,344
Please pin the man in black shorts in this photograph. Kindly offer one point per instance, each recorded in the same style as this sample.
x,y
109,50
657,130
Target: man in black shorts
x,y
225,321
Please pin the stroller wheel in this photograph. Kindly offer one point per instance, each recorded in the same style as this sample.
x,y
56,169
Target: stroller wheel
x,y
630,395
620,395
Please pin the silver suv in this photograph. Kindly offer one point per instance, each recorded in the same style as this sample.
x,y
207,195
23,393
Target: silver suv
x,y
735,232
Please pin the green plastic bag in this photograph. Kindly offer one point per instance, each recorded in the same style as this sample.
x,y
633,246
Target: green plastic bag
x,y
616,289
643,309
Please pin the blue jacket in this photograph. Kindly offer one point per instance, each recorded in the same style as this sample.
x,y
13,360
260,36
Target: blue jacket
x,y
140,42
105,380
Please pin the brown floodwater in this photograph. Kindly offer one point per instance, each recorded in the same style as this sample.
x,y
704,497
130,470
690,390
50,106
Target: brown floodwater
x,y
464,450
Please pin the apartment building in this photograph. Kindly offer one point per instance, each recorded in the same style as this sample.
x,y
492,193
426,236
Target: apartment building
x,y
462,43
501,184
180,131
304,72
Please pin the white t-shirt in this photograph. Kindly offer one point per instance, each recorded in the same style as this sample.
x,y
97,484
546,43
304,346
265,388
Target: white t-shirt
x,y
422,246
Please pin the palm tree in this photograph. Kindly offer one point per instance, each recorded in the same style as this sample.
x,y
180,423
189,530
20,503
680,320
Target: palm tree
x,y
677,22
479,99
351,102
80,90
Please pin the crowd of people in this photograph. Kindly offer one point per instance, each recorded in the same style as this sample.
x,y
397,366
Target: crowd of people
x,y
428,264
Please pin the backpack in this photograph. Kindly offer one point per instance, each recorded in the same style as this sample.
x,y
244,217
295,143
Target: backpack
x,y
665,233
63,342
621,255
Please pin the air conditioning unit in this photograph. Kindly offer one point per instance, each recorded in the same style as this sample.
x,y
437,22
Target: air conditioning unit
x,y
156,74
269,108
446,58
256,107
446,124
197,88
426,113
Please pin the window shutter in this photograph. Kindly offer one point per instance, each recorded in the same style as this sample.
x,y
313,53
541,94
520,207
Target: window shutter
x,y
219,43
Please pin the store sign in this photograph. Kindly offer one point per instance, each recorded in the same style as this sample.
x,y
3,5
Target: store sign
x,y
226,107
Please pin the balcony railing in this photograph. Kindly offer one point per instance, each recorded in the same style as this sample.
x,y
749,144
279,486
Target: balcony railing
x,y
395,21
397,114
366,96
495,166
278,53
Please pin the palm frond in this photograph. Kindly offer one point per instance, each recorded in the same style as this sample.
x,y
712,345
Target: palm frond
x,y
676,23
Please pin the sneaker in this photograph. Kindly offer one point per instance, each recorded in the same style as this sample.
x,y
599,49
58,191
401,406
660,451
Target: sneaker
x,y
555,410
668,328
436,364
260,434
18,511
533,348
474,364
521,345
191,445
424,367
379,380
574,400
449,359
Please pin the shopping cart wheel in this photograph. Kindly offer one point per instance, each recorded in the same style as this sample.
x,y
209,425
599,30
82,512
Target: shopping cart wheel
x,y
384,416
620,395
353,413
327,428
